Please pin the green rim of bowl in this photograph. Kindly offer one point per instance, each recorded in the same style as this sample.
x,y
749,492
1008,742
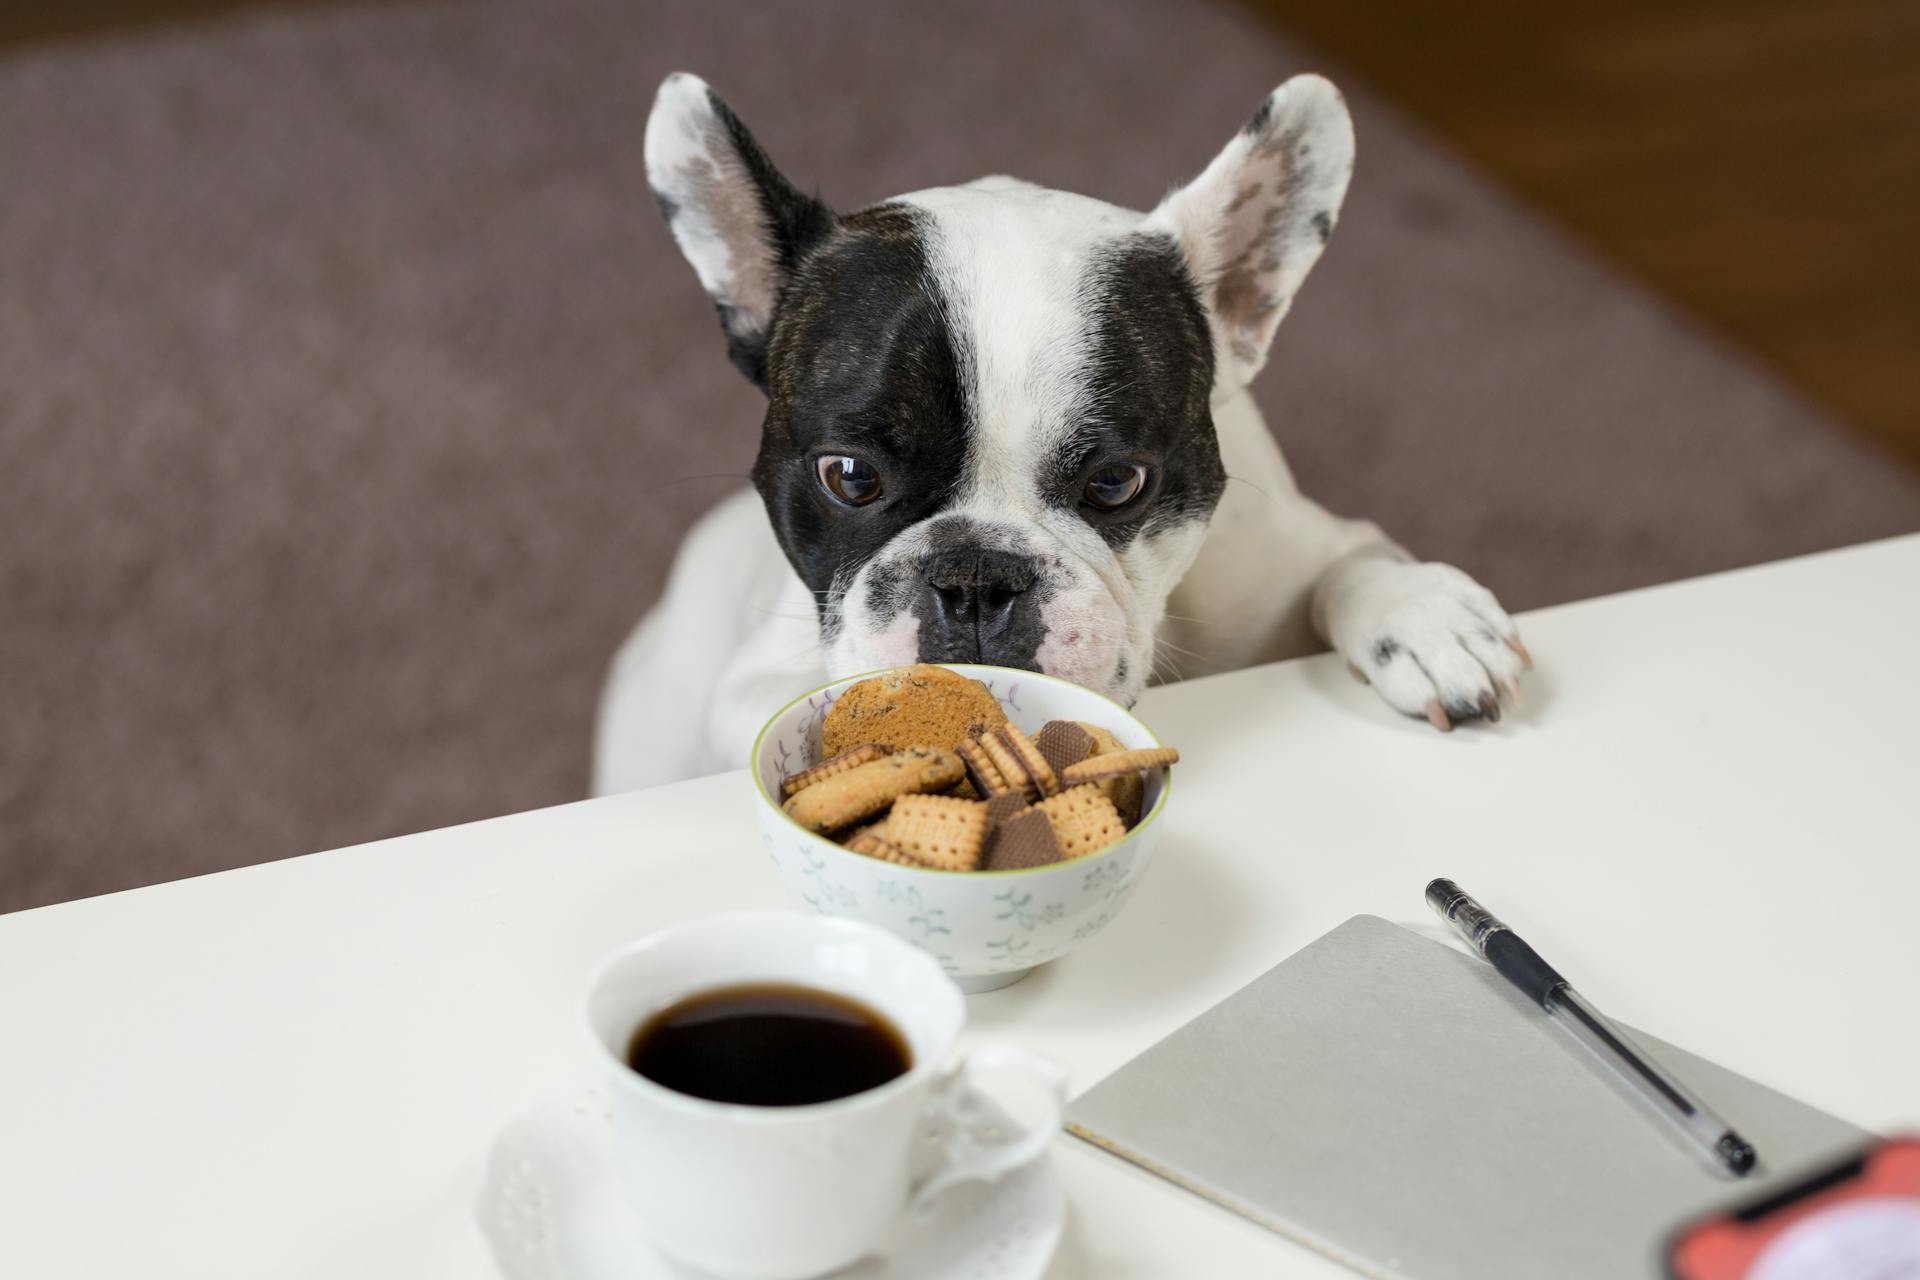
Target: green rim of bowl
x,y
760,789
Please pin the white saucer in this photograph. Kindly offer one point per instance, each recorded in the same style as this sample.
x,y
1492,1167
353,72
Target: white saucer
x,y
550,1209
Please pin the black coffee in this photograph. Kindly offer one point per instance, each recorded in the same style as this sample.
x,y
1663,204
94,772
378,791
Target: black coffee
x,y
768,1045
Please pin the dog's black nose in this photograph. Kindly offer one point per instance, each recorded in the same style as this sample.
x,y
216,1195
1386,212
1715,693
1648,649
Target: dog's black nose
x,y
979,606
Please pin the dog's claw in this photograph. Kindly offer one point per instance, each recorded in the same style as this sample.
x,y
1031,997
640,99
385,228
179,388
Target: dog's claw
x,y
1433,642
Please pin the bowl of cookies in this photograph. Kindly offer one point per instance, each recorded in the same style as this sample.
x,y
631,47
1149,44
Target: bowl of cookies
x,y
995,818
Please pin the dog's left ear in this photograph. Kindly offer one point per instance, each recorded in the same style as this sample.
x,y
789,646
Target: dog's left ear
x,y
741,224
1254,223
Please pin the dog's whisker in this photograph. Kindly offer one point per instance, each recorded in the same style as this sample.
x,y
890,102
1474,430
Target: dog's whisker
x,y
1233,479
1164,651
1161,643
798,654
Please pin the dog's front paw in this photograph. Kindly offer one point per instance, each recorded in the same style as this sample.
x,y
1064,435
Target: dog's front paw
x,y
1431,640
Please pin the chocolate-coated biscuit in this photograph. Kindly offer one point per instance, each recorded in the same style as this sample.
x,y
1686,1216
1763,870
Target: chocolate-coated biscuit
x,y
875,845
851,758
1022,841
982,772
1010,766
1039,772
1063,743
1004,806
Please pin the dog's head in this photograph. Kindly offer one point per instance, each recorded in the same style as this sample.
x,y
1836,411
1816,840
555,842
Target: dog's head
x,y
989,434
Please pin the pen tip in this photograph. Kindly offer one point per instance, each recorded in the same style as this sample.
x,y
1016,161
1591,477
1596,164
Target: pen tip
x,y
1735,1151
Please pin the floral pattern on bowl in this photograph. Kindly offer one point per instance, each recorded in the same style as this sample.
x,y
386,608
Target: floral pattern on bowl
x,y
987,929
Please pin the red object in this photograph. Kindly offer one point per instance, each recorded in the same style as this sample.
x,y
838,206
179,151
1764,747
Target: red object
x,y
1724,1247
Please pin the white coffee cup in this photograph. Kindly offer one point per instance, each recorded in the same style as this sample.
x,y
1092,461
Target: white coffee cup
x,y
776,1193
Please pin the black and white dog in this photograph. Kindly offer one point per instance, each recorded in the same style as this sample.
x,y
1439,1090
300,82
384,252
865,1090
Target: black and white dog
x,y
1001,426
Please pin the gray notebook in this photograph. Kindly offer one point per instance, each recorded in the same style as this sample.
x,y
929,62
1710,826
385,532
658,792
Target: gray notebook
x,y
1348,1099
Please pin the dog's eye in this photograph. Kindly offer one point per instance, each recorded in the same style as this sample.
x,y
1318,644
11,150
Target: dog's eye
x,y
1115,486
848,479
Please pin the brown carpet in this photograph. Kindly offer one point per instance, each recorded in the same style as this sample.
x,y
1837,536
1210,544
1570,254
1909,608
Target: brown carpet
x,y
352,396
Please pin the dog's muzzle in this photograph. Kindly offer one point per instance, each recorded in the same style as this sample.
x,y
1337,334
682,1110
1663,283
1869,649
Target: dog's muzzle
x,y
979,605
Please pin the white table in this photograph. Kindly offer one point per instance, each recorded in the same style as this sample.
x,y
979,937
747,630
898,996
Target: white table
x,y
1708,814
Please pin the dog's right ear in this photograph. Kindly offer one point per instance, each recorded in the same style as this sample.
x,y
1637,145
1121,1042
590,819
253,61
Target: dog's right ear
x,y
741,224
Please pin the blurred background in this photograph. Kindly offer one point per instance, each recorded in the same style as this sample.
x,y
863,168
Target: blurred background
x,y
353,396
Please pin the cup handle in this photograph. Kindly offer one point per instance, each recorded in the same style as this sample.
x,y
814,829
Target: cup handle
x,y
960,1102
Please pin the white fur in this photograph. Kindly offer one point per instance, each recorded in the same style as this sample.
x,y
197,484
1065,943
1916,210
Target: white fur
x,y
1270,576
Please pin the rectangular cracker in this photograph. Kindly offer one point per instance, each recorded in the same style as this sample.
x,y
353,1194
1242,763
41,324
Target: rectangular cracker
x,y
1115,764
939,831
1084,821
875,845
865,790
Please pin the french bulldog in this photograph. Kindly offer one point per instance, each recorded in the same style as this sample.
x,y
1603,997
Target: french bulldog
x,y
1011,425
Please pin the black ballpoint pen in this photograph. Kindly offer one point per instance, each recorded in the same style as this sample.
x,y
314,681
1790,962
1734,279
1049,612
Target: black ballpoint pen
x,y
1521,965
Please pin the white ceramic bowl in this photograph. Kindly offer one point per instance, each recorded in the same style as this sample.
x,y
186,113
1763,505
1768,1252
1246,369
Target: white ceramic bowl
x,y
986,928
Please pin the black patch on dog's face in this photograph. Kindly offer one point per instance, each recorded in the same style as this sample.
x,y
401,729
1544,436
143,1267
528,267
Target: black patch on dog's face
x,y
1149,384
861,362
